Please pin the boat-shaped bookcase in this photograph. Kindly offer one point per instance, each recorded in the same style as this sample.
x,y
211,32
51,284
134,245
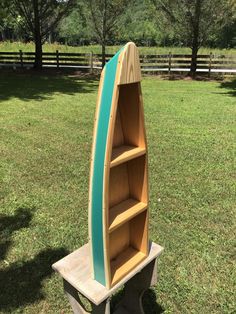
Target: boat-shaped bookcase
x,y
118,202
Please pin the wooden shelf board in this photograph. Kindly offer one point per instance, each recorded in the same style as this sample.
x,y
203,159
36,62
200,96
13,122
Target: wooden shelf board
x,y
124,211
124,153
124,263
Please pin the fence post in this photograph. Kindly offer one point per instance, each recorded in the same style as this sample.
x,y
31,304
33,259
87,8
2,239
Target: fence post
x,y
91,62
57,56
169,63
21,58
210,64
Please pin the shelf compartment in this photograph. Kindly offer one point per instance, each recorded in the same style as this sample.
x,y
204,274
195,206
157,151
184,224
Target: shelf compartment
x,y
128,180
129,123
128,246
124,211
125,153
124,263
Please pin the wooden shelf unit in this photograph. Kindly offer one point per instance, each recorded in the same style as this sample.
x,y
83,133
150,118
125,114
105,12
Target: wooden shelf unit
x,y
128,192
118,194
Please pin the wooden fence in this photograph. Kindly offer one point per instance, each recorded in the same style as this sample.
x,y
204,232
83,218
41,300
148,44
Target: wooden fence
x,y
149,63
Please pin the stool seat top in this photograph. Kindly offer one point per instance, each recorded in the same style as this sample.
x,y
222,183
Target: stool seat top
x,y
76,269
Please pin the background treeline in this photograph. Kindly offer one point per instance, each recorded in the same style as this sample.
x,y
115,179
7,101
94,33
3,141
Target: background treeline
x,y
140,22
182,23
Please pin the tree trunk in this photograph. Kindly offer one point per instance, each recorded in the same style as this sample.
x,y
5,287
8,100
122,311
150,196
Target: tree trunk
x,y
37,37
38,54
3,35
104,33
103,55
194,61
195,38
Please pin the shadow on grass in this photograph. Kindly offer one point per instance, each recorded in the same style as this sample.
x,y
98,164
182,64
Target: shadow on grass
x,y
186,77
9,224
230,86
149,302
28,86
21,282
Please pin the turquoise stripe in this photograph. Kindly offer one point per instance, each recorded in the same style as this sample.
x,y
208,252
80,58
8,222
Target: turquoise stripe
x,y
98,169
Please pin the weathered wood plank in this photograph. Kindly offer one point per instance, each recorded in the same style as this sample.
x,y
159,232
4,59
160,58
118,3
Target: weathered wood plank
x,y
76,269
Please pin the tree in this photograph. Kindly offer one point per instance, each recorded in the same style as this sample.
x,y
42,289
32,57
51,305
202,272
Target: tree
x,y
104,17
74,29
195,21
227,36
39,18
139,24
6,21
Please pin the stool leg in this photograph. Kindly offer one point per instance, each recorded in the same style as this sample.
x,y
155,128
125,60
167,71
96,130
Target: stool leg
x,y
103,308
134,289
74,299
77,304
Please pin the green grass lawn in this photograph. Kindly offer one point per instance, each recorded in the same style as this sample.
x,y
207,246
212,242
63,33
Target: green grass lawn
x,y
29,47
46,131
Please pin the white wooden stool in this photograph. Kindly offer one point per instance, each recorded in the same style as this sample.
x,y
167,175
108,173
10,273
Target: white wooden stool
x,y
75,270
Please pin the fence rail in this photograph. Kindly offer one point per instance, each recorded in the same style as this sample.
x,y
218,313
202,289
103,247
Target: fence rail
x,y
149,63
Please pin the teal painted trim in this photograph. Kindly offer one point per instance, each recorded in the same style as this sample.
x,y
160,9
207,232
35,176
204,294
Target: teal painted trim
x,y
98,170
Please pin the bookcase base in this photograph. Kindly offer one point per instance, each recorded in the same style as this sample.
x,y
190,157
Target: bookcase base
x,y
79,286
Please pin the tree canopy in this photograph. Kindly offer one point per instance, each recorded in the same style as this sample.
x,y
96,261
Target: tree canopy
x,y
37,18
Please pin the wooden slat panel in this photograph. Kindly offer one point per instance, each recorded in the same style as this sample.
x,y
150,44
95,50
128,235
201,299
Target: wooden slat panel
x,y
176,67
9,53
154,67
154,56
29,53
99,55
28,58
154,61
10,58
180,56
49,53
10,62
50,58
72,54
180,62
100,60
224,68
226,62
71,59
203,67
203,61
67,64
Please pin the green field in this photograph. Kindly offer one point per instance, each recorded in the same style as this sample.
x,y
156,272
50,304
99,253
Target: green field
x,y
8,46
46,133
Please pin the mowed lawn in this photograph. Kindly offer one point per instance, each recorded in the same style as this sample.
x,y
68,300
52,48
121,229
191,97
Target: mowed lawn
x,y
46,127
30,47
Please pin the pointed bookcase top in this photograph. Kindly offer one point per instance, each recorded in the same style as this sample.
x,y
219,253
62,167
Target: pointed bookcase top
x,y
118,201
